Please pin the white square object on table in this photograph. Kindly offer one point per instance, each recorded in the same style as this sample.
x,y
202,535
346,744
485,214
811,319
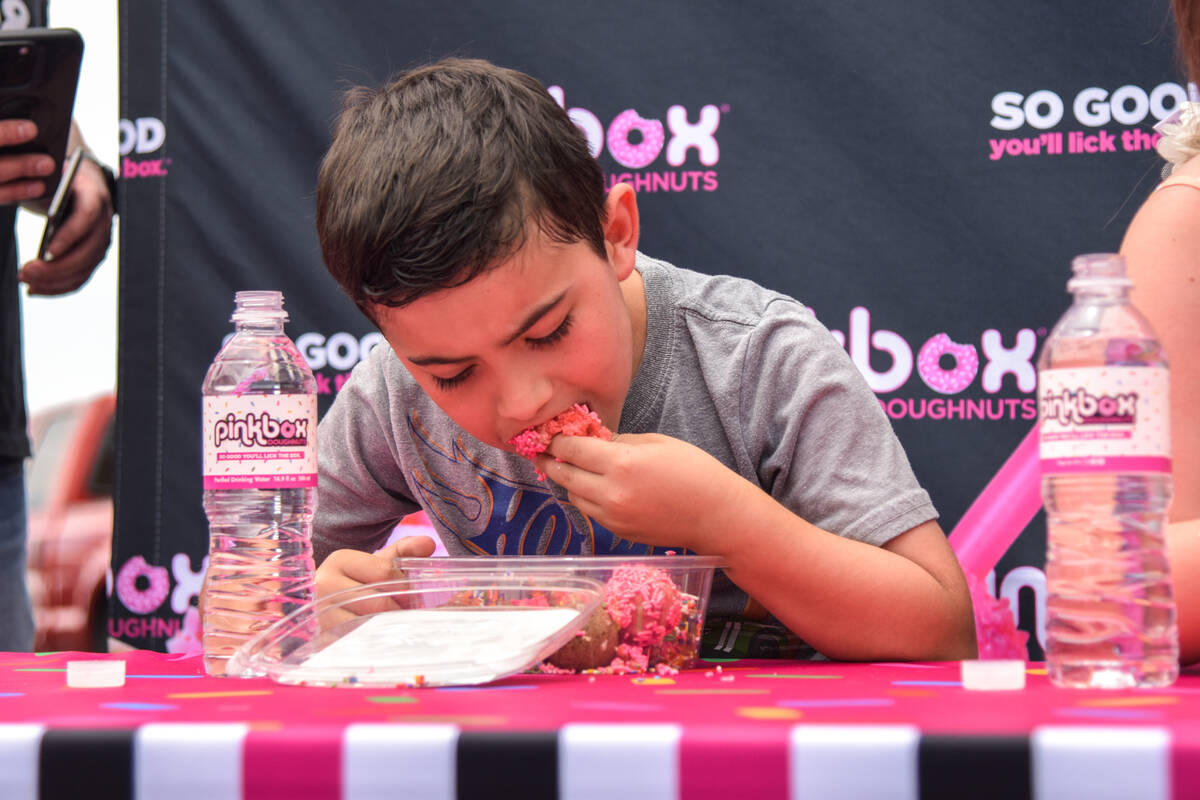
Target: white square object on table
x,y
999,674
95,674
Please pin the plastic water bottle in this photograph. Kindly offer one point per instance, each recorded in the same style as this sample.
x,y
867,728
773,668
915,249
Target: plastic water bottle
x,y
260,478
1103,407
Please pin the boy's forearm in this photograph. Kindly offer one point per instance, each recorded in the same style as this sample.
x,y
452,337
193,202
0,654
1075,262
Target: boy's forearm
x,y
849,600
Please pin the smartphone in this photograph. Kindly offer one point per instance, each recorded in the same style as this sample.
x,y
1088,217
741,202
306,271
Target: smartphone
x,y
60,204
39,74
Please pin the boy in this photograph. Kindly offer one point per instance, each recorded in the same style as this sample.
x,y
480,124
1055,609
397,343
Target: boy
x,y
460,209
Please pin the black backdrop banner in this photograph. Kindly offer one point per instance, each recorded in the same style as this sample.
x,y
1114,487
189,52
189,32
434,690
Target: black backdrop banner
x,y
919,174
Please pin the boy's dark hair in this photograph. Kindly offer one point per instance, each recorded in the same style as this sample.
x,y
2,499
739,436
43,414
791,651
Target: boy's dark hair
x,y
442,173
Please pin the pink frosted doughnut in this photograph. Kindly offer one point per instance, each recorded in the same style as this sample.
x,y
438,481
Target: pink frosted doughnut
x,y
631,155
578,420
644,602
145,600
947,381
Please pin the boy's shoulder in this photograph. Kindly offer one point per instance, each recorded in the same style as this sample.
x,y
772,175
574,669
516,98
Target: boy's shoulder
x,y
379,382
714,297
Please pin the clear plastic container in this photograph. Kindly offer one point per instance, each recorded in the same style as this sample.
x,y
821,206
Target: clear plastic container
x,y
260,478
1106,483
455,629
645,619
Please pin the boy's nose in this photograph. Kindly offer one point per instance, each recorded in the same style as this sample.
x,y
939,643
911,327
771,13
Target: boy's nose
x,y
523,398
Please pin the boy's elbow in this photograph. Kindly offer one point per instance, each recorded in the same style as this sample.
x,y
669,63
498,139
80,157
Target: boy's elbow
x,y
953,640
961,643
948,635
935,635
958,641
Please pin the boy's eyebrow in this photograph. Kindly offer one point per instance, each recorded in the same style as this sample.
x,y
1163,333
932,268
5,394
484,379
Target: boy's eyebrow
x,y
530,320
533,316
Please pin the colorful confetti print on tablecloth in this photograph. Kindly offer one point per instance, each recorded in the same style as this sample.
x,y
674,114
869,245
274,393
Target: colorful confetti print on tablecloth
x,y
694,732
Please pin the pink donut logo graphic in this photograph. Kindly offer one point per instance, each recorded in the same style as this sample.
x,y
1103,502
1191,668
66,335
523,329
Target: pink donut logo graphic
x,y
634,156
142,600
947,381
190,636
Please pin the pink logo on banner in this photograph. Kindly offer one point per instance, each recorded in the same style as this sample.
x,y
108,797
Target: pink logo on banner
x,y
636,142
887,362
139,138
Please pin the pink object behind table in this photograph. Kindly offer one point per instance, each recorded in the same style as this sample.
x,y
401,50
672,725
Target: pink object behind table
x,y
993,522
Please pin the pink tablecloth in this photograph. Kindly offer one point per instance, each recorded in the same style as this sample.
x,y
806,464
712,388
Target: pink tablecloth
x,y
746,729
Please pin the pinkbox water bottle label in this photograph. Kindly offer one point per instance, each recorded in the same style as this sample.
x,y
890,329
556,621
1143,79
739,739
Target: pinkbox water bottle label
x,y
1104,419
260,441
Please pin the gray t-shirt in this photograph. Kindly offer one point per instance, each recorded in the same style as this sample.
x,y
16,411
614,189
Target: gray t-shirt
x,y
744,373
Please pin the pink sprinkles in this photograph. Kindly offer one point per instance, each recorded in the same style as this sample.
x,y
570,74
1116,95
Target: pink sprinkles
x,y
644,602
578,420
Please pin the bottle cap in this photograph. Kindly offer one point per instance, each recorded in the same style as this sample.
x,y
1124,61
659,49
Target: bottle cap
x,y
1098,270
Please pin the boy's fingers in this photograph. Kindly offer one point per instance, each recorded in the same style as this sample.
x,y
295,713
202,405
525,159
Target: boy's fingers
x,y
355,567
567,446
585,452
348,570
553,467
416,546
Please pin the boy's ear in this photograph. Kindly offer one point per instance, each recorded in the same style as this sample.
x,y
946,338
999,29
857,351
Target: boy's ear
x,y
621,228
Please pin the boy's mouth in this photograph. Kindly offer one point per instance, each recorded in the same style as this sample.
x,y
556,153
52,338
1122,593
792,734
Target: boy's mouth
x,y
578,420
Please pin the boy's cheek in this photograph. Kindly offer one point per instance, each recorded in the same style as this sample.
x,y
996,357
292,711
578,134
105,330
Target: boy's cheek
x,y
452,404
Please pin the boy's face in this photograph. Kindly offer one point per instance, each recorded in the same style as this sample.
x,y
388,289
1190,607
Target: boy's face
x,y
523,341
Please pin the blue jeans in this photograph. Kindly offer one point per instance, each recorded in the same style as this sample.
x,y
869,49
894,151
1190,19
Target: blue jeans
x,y
16,612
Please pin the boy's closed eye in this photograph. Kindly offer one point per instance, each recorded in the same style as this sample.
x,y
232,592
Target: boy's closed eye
x,y
538,342
555,336
446,384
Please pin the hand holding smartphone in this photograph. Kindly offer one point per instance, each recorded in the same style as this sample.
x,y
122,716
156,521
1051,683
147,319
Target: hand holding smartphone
x,y
39,72
60,205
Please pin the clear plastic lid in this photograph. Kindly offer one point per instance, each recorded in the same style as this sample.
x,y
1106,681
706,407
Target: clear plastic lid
x,y
456,629
566,564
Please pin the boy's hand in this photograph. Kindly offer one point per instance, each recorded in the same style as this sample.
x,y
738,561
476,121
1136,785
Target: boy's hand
x,y
345,569
646,487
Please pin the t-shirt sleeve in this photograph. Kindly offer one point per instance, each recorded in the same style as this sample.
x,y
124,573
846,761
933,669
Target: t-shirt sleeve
x,y
822,445
362,493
